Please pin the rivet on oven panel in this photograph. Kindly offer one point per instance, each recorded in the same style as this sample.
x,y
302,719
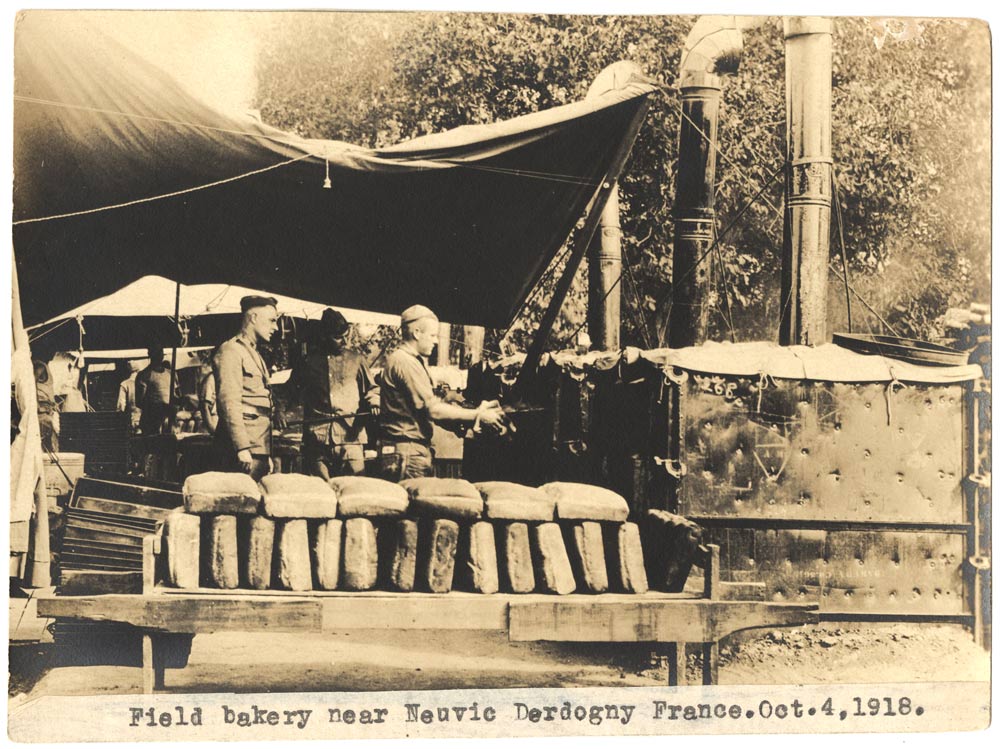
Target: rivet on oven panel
x,y
750,562
937,594
805,450
836,427
951,401
931,564
941,474
867,454
848,593
868,406
892,594
901,430
916,592
861,562
899,478
868,503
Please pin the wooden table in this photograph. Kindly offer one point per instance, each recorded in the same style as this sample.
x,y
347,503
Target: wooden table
x,y
667,621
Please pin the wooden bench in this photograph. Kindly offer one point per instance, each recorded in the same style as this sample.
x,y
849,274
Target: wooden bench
x,y
667,621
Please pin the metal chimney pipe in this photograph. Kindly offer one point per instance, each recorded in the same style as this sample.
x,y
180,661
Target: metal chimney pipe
x,y
604,309
712,49
809,180
604,255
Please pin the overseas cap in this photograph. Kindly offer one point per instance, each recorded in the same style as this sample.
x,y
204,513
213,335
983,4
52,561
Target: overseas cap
x,y
414,313
250,302
334,323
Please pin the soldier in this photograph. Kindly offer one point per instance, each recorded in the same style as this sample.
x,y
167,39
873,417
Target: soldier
x,y
334,385
409,405
243,386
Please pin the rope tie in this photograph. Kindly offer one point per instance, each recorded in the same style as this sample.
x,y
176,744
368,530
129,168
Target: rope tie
x,y
764,380
890,390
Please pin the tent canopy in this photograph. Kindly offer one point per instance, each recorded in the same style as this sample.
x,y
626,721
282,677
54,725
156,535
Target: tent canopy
x,y
142,313
120,173
154,296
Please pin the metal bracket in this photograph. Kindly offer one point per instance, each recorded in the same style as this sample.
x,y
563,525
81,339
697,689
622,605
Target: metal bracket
x,y
676,468
980,481
675,375
980,563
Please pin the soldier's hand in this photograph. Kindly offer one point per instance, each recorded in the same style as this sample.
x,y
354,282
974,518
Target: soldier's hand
x,y
246,460
279,421
491,415
375,410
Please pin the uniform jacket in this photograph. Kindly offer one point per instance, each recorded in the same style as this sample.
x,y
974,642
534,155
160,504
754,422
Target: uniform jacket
x,y
243,388
332,384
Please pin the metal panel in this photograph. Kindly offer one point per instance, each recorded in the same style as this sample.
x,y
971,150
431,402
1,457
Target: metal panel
x,y
814,451
849,571
848,495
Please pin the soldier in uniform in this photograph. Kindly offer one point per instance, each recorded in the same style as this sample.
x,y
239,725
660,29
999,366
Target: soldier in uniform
x,y
409,405
334,385
243,387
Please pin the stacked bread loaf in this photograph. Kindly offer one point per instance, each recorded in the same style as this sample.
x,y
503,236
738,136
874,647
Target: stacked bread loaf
x,y
300,533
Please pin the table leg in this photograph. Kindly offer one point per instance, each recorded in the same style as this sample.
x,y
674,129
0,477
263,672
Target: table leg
x,y
710,663
676,663
153,664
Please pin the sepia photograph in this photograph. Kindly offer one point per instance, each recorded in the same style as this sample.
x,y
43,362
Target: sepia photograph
x,y
461,374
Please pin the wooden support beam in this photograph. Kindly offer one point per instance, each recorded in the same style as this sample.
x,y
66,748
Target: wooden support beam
x,y
709,663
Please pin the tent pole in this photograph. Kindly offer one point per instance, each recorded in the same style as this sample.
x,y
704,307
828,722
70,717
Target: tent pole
x,y
173,352
580,244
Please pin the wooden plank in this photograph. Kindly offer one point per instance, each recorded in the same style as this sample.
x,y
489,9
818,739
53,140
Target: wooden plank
x,y
83,562
103,536
25,623
148,677
121,553
604,598
120,491
112,519
191,614
693,620
113,507
93,582
415,611
709,663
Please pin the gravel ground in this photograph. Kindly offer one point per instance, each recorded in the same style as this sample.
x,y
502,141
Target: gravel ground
x,y
235,662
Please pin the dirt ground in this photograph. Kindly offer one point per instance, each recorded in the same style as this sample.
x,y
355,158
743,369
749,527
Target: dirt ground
x,y
365,661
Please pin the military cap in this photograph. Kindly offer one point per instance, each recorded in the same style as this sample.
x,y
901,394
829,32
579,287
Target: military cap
x,y
252,301
334,323
414,313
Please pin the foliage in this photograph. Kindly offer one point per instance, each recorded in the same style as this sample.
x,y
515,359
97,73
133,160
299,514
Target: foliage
x,y
911,144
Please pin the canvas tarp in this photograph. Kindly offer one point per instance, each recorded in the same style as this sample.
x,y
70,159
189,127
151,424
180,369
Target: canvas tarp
x,y
464,221
826,363
142,313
